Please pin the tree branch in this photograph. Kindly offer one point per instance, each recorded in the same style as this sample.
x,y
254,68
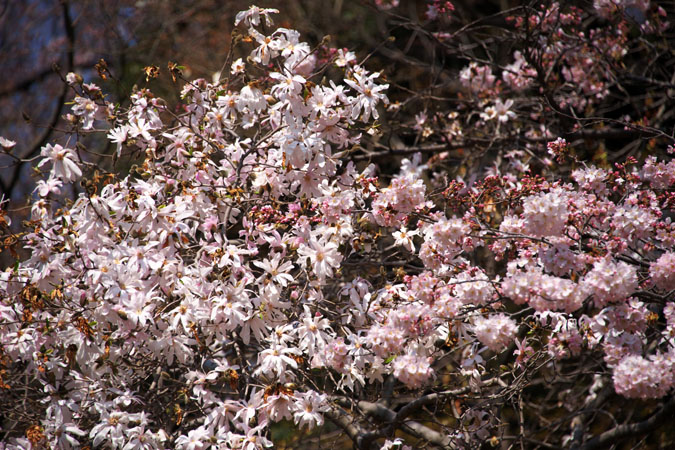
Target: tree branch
x,y
362,439
27,83
411,427
632,429
42,139
436,397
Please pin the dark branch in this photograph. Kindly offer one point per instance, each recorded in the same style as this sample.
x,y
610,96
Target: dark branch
x,y
385,414
362,439
44,138
632,429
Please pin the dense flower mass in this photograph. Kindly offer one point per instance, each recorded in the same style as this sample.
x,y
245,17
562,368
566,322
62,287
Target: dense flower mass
x,y
662,271
545,214
610,281
496,332
248,272
637,377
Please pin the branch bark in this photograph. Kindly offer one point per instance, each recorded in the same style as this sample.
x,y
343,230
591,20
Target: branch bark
x,y
417,429
362,439
44,138
632,429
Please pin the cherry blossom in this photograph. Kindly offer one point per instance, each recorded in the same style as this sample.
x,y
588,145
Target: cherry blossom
x,y
496,331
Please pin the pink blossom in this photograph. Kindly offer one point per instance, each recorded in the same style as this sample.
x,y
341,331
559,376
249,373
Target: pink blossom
x,y
662,271
495,331
545,214
473,287
477,78
386,4
610,281
638,377
412,370
405,194
444,241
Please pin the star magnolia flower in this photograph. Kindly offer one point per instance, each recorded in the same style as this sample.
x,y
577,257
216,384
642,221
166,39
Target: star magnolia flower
x,y
287,86
195,439
6,143
118,136
238,67
309,406
311,331
267,48
110,428
274,361
63,162
404,237
489,113
276,272
396,444
252,16
344,58
324,257
503,110
65,436
51,185
86,108
251,98
370,94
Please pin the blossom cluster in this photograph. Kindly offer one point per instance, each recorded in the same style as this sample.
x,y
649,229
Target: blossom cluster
x,y
247,272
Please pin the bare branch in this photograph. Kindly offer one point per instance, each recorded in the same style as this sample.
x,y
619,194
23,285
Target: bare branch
x,y
632,429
